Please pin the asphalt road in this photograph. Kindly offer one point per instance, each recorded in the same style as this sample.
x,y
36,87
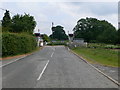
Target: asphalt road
x,y
53,67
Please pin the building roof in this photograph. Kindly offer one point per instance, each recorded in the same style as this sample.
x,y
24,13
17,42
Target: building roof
x,y
37,34
70,35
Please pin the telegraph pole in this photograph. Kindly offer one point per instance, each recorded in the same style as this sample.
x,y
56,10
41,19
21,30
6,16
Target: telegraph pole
x,y
38,30
51,28
68,36
52,24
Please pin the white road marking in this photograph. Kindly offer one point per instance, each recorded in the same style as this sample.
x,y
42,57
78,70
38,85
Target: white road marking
x,y
53,48
43,70
11,62
52,54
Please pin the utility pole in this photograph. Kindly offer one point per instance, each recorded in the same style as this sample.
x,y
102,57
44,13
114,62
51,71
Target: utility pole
x,y
38,30
51,28
52,24
68,36
68,32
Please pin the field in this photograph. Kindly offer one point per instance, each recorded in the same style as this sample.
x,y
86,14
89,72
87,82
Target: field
x,y
102,56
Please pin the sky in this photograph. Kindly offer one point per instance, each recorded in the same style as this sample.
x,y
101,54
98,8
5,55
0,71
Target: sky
x,y
65,14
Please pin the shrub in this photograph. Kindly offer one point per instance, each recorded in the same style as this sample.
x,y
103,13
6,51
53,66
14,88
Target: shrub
x,y
57,43
14,44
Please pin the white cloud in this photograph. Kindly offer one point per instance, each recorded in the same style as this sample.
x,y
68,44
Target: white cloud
x,y
59,1
75,12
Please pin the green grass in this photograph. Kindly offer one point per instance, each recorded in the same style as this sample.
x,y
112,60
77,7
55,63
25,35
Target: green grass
x,y
102,56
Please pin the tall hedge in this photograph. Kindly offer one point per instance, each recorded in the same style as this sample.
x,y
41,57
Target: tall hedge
x,y
14,44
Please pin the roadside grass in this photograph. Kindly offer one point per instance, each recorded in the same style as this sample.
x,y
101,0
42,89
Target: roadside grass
x,y
106,57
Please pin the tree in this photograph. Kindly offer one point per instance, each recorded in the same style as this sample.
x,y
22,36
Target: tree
x,y
29,23
23,23
17,25
45,38
58,33
6,22
93,30
118,36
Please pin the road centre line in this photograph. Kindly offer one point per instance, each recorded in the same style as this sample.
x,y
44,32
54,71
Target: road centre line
x,y
53,48
52,54
43,70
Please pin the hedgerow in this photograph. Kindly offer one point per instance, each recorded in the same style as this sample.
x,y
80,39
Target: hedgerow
x,y
14,44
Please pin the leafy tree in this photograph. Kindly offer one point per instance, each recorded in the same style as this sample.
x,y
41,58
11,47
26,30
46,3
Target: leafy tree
x,y
29,23
17,25
93,30
23,23
6,22
118,36
0,26
45,38
58,33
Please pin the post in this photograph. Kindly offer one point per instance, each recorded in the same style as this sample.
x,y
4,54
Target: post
x,y
51,28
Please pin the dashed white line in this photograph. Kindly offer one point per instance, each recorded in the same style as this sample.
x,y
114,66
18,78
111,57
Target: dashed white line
x,y
53,48
43,70
12,62
52,54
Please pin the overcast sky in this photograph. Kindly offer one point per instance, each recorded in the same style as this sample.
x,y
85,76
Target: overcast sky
x,y
63,13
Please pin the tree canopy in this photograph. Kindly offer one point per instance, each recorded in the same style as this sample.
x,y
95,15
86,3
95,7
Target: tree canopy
x,y
18,23
94,30
58,33
23,23
6,22
118,36
45,38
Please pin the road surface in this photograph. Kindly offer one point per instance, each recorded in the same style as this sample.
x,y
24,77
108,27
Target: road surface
x,y
53,67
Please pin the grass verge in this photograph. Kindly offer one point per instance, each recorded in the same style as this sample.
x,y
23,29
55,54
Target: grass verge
x,y
106,57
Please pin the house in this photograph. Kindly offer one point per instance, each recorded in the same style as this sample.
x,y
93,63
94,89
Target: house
x,y
78,40
70,37
39,39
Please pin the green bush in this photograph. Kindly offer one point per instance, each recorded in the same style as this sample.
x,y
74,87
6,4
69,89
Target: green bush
x,y
14,44
57,43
